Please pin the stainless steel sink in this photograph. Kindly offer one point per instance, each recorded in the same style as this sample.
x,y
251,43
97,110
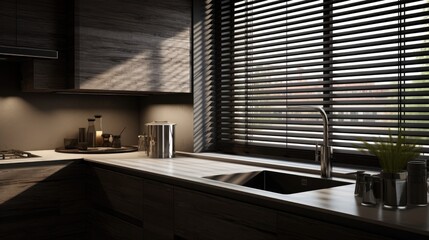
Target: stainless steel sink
x,y
278,182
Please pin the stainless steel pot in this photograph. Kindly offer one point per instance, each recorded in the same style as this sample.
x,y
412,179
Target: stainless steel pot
x,y
161,139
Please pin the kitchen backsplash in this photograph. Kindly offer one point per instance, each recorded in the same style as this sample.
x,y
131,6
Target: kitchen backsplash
x,y
42,121
176,108
35,121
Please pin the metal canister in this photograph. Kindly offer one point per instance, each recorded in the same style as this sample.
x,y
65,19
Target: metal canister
x,y
417,183
161,139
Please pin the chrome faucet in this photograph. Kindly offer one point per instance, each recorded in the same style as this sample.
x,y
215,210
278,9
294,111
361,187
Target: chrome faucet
x,y
325,152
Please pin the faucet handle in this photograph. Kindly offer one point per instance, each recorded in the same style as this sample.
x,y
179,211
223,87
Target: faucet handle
x,y
317,152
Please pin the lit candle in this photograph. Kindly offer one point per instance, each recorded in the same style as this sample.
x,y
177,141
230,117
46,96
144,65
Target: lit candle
x,y
98,138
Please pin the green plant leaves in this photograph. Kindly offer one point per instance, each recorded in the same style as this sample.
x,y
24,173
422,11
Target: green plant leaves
x,y
393,155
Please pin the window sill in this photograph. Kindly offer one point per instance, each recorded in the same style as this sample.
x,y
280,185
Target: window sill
x,y
342,172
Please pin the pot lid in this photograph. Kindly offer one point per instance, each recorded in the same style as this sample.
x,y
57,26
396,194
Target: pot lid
x,y
160,123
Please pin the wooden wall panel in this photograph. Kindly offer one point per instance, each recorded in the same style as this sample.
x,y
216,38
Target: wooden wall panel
x,y
133,45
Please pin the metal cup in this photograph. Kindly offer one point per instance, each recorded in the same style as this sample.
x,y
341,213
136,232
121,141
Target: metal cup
x,y
368,198
116,141
359,183
143,143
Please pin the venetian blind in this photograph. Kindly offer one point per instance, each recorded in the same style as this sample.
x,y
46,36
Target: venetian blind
x,y
365,62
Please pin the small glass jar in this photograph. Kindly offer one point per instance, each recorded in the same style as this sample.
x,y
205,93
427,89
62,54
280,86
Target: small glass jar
x,y
142,142
106,140
116,141
90,133
98,130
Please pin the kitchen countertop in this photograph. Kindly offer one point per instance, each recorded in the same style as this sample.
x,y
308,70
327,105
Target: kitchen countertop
x,y
338,201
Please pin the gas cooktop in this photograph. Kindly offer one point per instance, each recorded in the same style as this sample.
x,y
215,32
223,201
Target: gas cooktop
x,y
15,154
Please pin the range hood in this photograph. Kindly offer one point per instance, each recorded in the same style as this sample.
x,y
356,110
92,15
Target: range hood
x,y
23,52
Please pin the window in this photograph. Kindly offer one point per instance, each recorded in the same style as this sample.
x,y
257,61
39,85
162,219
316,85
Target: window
x,y
365,62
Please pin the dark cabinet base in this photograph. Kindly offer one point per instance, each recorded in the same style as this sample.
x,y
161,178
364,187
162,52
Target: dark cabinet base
x,y
75,200
158,210
44,201
104,226
201,216
297,228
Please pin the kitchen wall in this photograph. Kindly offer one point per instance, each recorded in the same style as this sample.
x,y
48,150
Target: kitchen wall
x,y
176,108
35,121
32,121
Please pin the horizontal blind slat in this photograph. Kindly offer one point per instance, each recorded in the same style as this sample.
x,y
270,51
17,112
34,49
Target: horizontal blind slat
x,y
364,62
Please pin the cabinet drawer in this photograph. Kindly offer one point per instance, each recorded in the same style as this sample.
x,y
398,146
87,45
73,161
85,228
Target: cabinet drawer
x,y
158,210
201,216
302,228
116,191
42,200
105,226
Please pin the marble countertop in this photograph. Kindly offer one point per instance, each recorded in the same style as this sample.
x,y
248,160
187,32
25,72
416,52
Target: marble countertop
x,y
337,201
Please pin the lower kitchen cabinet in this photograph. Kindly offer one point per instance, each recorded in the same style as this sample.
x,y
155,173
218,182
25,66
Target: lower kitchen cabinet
x,y
129,207
105,226
158,211
42,201
116,205
293,227
202,216
116,192
125,206
73,200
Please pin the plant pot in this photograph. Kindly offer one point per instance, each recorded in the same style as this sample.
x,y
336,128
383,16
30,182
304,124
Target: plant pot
x,y
394,189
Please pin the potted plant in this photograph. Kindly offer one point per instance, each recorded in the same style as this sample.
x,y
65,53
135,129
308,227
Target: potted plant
x,y
393,156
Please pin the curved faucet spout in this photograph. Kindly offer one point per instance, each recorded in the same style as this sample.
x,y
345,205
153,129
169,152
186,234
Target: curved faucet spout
x,y
325,159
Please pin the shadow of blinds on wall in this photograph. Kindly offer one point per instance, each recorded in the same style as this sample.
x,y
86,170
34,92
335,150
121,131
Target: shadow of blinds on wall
x,y
203,34
365,62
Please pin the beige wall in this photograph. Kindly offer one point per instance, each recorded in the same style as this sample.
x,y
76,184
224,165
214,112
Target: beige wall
x,y
35,121
175,108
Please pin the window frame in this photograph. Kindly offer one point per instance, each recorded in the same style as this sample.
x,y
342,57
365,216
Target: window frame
x,y
220,146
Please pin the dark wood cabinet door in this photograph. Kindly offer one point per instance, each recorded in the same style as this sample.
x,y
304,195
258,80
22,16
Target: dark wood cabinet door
x,y
133,45
116,192
158,211
202,216
292,227
41,75
104,226
8,22
42,201
41,24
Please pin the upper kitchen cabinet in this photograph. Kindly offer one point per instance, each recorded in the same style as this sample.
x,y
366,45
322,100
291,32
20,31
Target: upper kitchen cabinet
x,y
8,22
33,24
132,46
42,25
